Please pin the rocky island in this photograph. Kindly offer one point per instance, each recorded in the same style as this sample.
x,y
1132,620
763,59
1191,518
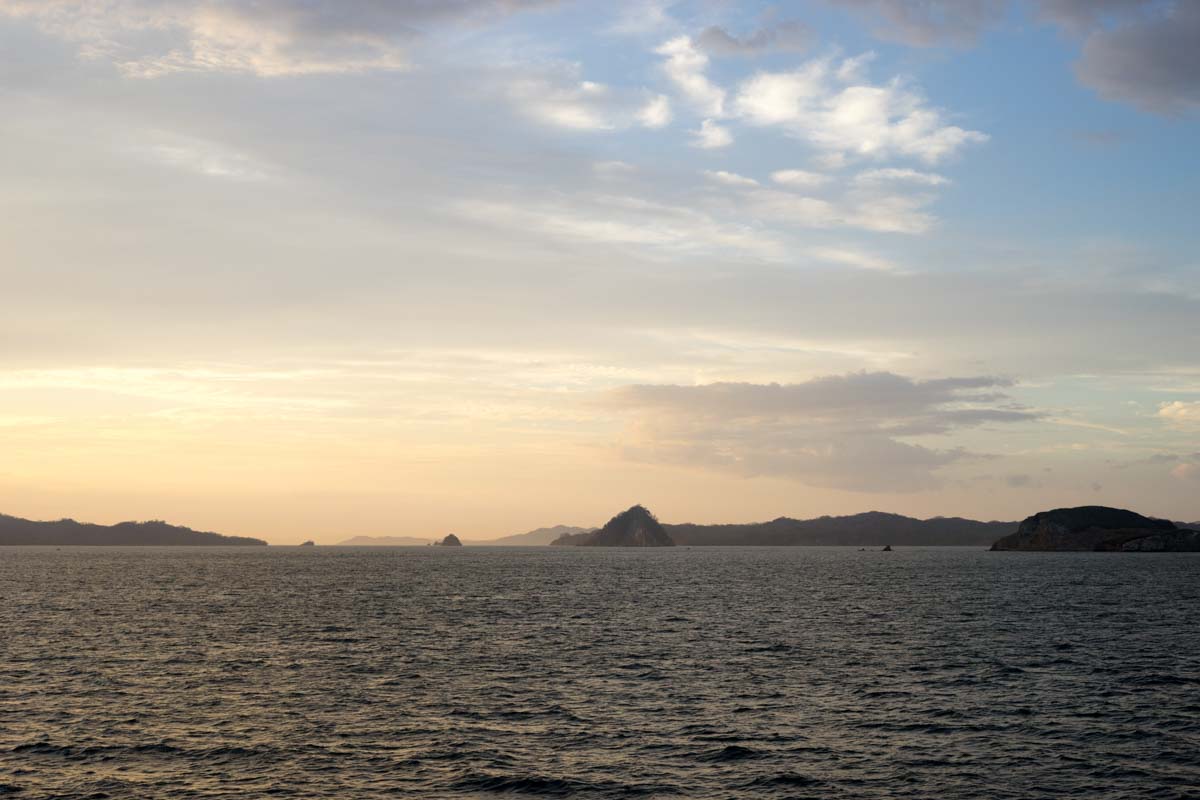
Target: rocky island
x,y
634,527
450,541
1099,528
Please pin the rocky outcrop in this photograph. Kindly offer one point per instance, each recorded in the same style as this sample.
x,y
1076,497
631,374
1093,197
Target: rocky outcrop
x,y
450,541
635,527
309,543
1178,541
1097,528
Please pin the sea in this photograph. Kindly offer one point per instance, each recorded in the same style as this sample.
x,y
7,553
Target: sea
x,y
799,672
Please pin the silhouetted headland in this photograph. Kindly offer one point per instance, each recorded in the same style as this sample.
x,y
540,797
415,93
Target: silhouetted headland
x,y
1099,528
66,532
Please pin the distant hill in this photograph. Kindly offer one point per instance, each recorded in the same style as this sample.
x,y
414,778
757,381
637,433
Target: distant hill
x,y
65,532
872,528
859,530
1099,528
537,538
384,541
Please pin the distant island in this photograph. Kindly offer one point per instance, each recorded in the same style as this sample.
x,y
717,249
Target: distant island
x,y
68,532
634,527
1100,529
450,541
870,529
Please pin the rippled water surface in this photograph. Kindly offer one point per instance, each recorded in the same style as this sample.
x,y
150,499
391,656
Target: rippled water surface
x,y
797,672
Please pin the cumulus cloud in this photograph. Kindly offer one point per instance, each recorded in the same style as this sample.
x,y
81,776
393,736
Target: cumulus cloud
x,y
685,66
656,113
711,136
267,38
1181,413
858,120
844,431
786,36
924,23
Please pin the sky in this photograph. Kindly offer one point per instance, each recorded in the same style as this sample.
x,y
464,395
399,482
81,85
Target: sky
x,y
301,269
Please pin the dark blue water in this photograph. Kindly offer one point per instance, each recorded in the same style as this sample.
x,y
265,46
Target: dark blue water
x,y
703,673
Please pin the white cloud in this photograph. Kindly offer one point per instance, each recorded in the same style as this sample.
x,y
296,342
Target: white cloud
x,y
1181,413
853,257
623,221
729,178
559,98
711,136
799,178
779,98
863,121
874,176
585,105
852,70
845,431
656,113
885,213
685,65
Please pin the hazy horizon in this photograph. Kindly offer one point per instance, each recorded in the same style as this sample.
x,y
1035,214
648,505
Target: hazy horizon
x,y
488,266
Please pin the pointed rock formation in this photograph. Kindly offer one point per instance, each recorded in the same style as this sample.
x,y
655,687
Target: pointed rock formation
x,y
636,527
450,541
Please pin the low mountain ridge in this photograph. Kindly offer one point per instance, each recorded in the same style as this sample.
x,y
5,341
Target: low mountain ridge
x,y
68,532
534,538
872,528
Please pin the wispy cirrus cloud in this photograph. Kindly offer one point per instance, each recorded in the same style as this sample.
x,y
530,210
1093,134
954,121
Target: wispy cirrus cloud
x,y
269,38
